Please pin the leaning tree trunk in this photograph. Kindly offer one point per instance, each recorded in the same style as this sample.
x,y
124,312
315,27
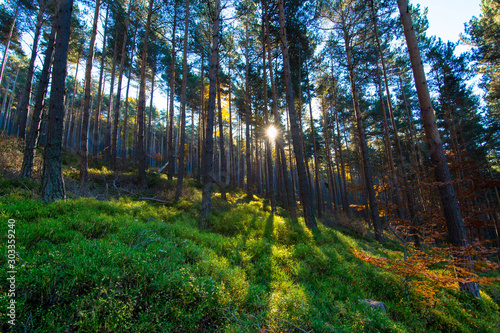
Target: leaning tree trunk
x,y
26,92
141,108
52,180
34,130
377,226
305,190
84,173
208,147
11,30
180,163
454,222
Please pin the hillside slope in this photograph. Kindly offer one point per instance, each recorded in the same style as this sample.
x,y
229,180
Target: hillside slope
x,y
128,265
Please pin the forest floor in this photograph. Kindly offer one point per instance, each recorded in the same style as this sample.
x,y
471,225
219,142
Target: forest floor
x,y
118,263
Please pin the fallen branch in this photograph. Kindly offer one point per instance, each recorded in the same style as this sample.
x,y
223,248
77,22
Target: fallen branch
x,y
163,167
155,200
119,189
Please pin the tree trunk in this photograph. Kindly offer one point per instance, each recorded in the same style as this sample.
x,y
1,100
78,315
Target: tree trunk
x,y
454,222
11,30
109,119
269,160
248,162
170,138
319,194
116,112
141,108
363,145
26,92
207,157
125,116
34,130
149,145
222,149
84,173
305,191
52,180
180,163
97,116
280,150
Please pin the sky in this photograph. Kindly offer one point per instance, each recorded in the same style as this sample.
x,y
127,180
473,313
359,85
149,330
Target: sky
x,y
447,17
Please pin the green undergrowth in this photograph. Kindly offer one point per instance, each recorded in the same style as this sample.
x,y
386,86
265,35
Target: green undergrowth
x,y
126,265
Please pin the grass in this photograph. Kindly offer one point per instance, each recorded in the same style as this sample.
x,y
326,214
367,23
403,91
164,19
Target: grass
x,y
125,265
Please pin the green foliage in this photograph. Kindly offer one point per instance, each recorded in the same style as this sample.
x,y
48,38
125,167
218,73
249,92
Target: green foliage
x,y
125,265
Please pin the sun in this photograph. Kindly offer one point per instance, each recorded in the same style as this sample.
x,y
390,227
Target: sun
x,y
271,132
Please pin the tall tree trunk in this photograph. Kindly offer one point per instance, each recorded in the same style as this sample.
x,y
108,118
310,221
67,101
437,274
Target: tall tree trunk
x,y
149,145
248,150
269,160
280,150
377,226
109,119
84,173
222,149
125,116
26,92
97,116
8,115
116,112
141,107
305,191
52,180
180,163
170,136
11,30
71,110
319,194
454,222
232,169
207,157
34,130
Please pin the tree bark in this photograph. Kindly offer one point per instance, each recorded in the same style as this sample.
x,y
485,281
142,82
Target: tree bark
x,y
248,162
305,191
26,92
125,116
180,163
222,150
170,136
84,173
109,119
52,180
269,160
454,222
11,30
207,157
116,112
34,130
141,108
97,116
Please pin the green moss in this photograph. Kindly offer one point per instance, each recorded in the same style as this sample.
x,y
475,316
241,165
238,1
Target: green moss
x,y
132,266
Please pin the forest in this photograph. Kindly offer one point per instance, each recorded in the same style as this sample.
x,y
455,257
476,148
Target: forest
x,y
247,166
